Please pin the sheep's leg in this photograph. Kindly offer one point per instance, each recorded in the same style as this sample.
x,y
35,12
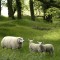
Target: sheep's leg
x,y
51,52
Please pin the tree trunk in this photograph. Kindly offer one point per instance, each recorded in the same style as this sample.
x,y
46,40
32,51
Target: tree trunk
x,y
44,15
10,9
32,10
0,7
18,4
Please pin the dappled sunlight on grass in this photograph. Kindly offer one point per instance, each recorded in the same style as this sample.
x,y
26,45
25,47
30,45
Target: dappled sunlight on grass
x,y
53,35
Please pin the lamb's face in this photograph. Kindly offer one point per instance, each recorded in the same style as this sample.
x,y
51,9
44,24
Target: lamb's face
x,y
40,43
42,48
30,41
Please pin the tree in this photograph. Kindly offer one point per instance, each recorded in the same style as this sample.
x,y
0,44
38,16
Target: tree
x,y
18,5
32,10
14,6
10,9
37,7
48,4
48,18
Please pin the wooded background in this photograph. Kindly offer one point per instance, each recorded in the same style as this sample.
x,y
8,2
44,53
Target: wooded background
x,y
49,8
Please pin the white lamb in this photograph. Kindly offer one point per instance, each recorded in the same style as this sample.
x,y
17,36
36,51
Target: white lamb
x,y
47,48
12,42
34,47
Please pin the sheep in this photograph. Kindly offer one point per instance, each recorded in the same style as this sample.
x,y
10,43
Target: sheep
x,y
34,47
12,42
47,48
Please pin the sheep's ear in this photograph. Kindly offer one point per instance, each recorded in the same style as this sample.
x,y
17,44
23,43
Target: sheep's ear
x,y
42,42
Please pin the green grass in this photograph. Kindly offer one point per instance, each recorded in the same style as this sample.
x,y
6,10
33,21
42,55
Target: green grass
x,y
37,30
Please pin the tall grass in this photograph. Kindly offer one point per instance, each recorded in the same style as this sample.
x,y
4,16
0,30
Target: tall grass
x,y
37,30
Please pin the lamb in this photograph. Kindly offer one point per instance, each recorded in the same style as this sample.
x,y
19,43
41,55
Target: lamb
x,y
34,47
47,48
12,42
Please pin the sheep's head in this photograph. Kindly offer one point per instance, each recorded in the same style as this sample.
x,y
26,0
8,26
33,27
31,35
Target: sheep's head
x,y
30,41
40,43
42,47
20,40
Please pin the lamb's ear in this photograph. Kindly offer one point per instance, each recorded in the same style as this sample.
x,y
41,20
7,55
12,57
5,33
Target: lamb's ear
x,y
40,43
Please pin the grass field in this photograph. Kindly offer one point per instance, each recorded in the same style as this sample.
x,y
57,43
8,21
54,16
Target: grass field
x,y
37,30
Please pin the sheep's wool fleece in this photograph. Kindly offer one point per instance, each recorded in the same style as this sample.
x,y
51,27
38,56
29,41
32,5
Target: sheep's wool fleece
x,y
34,47
9,42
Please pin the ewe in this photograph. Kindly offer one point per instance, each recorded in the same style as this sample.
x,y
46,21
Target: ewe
x,y
12,42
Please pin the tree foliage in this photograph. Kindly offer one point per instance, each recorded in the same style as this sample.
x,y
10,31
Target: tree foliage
x,y
37,7
46,4
49,7
54,11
